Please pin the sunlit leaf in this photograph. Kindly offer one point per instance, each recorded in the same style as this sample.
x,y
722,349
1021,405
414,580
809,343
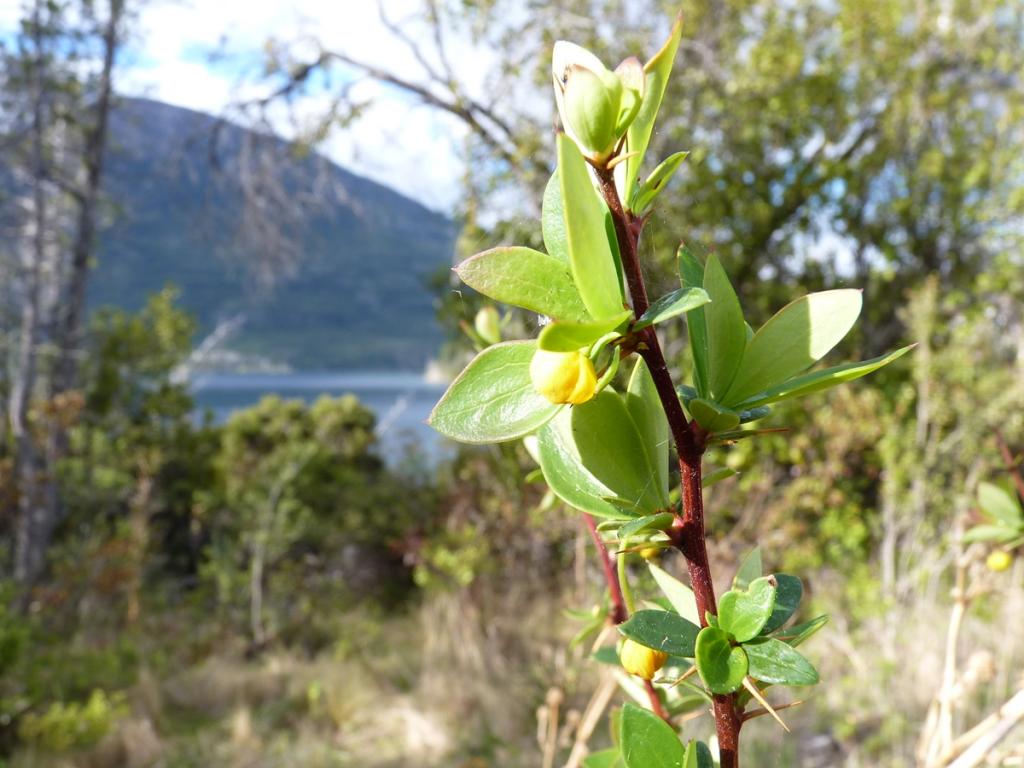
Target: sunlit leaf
x,y
644,407
679,595
493,399
638,136
789,591
800,633
553,220
590,252
672,305
525,278
647,741
744,612
711,416
647,192
998,504
793,340
773,661
999,534
606,758
751,568
712,478
823,379
691,275
645,524
722,665
566,337
726,332
663,631
593,452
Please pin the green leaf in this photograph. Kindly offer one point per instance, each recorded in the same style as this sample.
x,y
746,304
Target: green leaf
x,y
657,522
735,435
612,449
593,452
589,630
799,633
717,476
590,253
567,337
662,631
679,595
794,339
648,741
691,275
559,459
753,414
711,416
727,334
525,278
657,181
607,654
999,534
823,379
998,504
698,755
789,591
553,220
773,661
606,758
751,568
743,613
644,407
493,399
672,305
638,136
722,665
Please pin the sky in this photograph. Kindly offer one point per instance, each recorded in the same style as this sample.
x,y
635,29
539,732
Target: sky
x,y
169,59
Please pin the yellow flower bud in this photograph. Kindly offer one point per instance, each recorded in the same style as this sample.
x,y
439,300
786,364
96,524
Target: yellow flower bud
x,y
640,660
563,377
999,560
650,553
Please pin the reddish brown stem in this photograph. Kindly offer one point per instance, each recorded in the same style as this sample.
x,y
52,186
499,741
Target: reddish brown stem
x,y
656,706
1011,462
618,613
687,532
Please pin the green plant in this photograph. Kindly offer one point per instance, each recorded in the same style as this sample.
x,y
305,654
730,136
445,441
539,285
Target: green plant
x,y
64,726
603,445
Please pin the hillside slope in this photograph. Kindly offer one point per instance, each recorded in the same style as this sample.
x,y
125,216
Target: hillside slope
x,y
329,272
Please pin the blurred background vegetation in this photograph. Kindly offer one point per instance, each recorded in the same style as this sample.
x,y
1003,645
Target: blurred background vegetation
x,y
280,588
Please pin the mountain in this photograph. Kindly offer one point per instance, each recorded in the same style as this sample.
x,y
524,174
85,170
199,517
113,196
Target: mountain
x,y
323,269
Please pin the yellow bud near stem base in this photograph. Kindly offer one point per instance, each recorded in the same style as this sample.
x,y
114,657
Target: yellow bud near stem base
x,y
999,560
563,377
640,660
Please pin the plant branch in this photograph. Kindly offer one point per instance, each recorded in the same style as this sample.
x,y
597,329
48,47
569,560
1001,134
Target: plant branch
x,y
1011,462
618,612
687,532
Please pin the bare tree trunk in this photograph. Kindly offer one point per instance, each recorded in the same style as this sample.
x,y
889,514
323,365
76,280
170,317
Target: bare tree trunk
x,y
138,523
34,523
39,504
87,203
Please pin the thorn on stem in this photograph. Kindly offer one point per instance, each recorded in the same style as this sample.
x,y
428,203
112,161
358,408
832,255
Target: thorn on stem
x,y
756,693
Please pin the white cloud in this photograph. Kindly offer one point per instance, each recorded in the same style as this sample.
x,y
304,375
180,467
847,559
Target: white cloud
x,y
409,147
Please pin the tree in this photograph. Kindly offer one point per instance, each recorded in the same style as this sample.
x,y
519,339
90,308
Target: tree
x,y
57,99
831,142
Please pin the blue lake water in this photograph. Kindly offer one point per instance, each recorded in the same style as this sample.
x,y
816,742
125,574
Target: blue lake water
x,y
401,401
